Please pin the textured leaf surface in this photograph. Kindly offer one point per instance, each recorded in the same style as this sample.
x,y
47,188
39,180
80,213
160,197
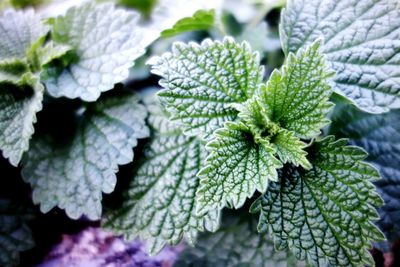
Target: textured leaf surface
x,y
160,204
236,168
202,81
74,176
236,244
325,213
18,31
297,96
18,107
106,40
361,43
289,148
201,20
15,235
379,135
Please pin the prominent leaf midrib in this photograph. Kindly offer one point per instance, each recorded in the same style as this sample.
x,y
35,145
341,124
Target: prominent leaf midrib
x,y
304,78
354,191
181,147
342,245
306,217
217,63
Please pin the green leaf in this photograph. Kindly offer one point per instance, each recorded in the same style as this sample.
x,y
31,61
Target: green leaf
x,y
236,244
361,43
11,70
19,30
15,235
289,148
236,167
297,96
326,213
379,135
49,52
201,20
18,107
202,81
106,41
160,203
286,145
73,176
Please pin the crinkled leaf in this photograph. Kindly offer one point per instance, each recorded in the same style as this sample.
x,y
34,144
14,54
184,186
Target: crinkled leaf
x,y
15,235
202,81
361,43
297,96
160,204
289,148
236,167
379,135
106,41
236,244
18,107
326,213
201,20
73,176
286,145
19,30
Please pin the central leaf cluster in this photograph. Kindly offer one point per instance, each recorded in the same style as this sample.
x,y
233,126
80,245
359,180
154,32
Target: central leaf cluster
x,y
253,127
266,137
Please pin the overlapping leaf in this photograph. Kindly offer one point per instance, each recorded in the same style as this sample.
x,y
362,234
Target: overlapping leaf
x,y
296,97
106,41
324,214
202,82
201,20
235,244
160,204
74,176
15,235
379,135
236,168
19,31
18,107
361,43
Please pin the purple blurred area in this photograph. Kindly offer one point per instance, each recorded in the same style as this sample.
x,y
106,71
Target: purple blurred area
x,y
94,247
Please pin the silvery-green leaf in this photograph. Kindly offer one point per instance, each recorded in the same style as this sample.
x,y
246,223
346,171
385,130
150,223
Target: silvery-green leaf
x,y
290,149
202,81
324,214
379,135
15,235
74,176
296,97
159,205
236,168
361,42
19,30
18,107
106,41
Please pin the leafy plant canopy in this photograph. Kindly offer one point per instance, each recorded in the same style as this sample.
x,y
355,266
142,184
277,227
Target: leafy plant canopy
x,y
311,146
